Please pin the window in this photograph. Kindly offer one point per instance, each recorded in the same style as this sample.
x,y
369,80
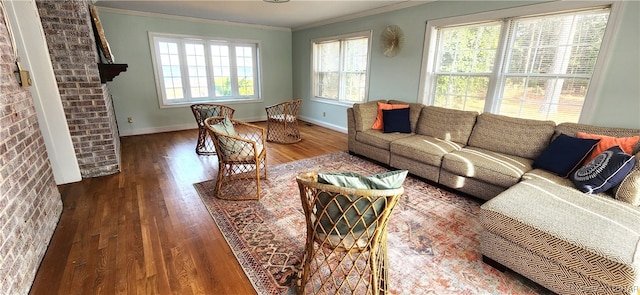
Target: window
x,y
340,67
197,69
528,66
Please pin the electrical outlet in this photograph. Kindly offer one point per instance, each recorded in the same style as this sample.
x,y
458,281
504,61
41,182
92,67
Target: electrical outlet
x,y
324,114
130,120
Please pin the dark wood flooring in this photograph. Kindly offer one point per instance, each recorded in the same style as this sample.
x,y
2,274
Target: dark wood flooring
x,y
145,230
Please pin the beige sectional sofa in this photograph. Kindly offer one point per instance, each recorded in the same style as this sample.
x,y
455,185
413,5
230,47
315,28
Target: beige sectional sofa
x,y
535,222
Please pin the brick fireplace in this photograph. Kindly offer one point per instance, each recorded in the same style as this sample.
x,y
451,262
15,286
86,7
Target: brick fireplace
x,y
86,101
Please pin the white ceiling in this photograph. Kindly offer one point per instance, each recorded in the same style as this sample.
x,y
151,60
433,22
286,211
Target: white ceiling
x,y
296,14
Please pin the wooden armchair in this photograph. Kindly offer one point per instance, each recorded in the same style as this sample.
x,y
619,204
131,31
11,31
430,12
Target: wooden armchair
x,y
201,112
242,158
346,244
282,122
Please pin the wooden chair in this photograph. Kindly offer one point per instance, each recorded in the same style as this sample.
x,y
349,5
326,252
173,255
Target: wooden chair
x,y
201,112
282,122
242,158
346,244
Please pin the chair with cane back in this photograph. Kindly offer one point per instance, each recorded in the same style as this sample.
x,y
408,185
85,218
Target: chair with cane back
x,y
346,240
242,158
201,112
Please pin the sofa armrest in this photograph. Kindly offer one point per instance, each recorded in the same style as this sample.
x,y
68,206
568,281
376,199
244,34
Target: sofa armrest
x,y
351,125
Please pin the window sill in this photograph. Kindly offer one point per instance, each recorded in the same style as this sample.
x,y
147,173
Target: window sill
x,y
333,102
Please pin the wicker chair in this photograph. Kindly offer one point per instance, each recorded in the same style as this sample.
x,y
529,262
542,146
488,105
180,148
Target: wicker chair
x,y
346,244
242,159
201,112
282,122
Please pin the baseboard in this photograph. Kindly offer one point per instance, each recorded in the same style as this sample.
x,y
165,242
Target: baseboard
x,y
324,124
150,130
160,129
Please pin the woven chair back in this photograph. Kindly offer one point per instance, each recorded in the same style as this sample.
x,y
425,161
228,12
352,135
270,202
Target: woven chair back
x,y
346,240
201,112
242,159
282,122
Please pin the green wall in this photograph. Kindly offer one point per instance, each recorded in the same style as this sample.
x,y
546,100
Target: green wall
x,y
134,91
399,77
286,65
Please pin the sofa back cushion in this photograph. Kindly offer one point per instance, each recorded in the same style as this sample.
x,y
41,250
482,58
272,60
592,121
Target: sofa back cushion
x,y
447,124
365,114
629,189
572,129
415,109
512,136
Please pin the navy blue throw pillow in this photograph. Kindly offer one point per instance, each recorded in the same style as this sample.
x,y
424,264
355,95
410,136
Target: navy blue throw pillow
x,y
607,170
396,120
564,154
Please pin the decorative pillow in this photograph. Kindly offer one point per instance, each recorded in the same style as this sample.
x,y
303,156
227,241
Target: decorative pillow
x,y
604,172
396,120
335,213
228,145
378,124
606,142
380,181
564,154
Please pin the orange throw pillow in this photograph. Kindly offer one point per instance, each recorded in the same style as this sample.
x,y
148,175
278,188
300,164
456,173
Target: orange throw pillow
x,y
378,124
606,142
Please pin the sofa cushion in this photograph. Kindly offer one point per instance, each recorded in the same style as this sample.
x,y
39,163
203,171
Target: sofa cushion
x,y
565,154
548,176
378,124
512,136
488,166
415,110
551,177
593,235
379,139
423,149
365,114
448,124
604,172
396,120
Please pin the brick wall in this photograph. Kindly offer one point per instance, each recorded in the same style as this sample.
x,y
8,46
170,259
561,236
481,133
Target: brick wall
x,y
30,204
87,103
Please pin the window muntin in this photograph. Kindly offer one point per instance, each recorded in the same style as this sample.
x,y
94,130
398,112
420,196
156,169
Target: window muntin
x,y
190,69
340,68
536,67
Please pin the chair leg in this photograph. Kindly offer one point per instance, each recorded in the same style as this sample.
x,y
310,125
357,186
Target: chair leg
x,y
264,166
221,172
201,140
258,178
205,146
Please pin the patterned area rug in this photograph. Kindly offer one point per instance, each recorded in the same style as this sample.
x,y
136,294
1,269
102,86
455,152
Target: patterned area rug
x,y
433,237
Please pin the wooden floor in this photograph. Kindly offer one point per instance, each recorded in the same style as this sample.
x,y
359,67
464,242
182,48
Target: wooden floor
x,y
145,230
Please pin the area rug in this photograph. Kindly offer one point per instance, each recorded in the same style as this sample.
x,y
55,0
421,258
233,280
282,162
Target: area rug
x,y
433,234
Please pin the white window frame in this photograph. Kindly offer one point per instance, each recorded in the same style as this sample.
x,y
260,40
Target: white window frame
x,y
341,99
155,37
597,79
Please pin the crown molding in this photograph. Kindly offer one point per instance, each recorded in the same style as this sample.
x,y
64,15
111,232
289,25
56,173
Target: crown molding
x,y
388,8
186,18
